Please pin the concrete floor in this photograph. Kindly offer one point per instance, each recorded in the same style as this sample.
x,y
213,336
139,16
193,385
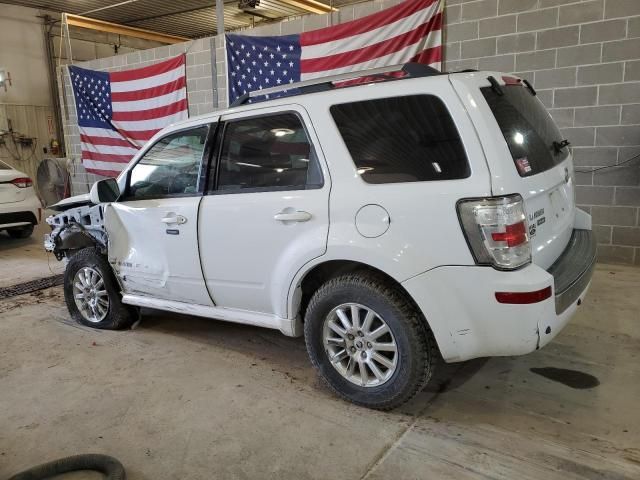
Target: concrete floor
x,y
188,398
22,260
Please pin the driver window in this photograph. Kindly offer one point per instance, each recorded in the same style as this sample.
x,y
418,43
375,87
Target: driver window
x,y
170,168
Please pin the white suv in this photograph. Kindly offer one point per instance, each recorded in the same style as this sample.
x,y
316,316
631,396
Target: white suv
x,y
396,220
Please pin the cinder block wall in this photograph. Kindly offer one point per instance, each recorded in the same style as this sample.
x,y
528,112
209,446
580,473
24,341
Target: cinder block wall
x,y
583,56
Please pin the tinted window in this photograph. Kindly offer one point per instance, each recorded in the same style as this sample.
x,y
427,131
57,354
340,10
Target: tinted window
x,y
170,167
4,166
266,153
527,128
402,139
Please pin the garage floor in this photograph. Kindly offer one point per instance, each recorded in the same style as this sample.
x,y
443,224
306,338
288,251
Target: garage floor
x,y
182,397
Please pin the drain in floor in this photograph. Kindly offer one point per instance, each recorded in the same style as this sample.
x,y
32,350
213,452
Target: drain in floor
x,y
30,286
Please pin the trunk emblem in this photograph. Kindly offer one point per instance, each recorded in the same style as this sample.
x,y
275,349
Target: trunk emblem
x,y
567,177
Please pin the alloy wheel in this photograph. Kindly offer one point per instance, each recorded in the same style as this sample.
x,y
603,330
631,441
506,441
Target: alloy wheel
x,y
360,345
90,294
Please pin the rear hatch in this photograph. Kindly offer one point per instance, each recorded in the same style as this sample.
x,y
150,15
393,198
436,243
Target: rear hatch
x,y
9,193
525,155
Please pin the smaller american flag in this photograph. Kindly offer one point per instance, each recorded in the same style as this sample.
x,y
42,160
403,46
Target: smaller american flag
x,y
119,111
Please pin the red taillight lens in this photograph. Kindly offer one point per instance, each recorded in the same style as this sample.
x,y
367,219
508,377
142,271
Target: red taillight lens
x,y
497,231
513,235
22,182
522,298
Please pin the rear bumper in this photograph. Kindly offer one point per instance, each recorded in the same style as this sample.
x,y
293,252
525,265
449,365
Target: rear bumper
x,y
21,213
573,270
460,305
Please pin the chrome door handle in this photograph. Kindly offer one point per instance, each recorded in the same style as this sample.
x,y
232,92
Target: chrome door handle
x,y
177,219
296,216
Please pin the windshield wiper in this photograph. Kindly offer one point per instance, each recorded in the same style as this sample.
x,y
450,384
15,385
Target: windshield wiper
x,y
558,146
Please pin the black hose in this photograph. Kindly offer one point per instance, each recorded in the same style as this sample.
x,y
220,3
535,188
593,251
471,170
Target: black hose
x,y
109,466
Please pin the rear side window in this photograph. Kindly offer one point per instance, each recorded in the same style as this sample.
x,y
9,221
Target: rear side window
x,y
266,153
402,139
528,129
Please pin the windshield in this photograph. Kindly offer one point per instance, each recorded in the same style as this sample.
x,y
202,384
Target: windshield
x,y
528,129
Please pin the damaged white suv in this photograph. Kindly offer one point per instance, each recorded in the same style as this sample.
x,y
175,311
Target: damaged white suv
x,y
405,218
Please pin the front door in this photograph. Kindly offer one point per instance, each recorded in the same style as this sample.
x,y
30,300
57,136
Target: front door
x,y
153,234
266,213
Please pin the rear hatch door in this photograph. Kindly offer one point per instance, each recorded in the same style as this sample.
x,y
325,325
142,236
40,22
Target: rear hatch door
x,y
518,134
9,193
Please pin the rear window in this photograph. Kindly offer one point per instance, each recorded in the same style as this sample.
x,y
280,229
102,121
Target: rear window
x,y
4,166
528,129
402,139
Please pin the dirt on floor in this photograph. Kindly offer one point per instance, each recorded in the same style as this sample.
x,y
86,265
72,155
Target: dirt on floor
x,y
187,398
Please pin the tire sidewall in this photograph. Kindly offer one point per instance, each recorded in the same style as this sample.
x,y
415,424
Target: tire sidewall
x,y
91,258
408,368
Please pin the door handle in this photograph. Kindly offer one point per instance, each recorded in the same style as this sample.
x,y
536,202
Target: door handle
x,y
177,219
295,216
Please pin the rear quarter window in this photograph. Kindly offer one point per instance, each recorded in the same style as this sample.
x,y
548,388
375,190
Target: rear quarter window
x,y
402,139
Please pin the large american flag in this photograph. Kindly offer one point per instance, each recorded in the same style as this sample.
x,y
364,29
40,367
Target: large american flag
x,y
407,32
119,111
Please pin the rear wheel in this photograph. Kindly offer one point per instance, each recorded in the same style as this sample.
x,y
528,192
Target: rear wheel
x,y
368,341
21,232
91,292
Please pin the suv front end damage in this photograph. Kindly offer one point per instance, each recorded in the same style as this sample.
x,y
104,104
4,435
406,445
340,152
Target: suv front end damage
x,y
75,229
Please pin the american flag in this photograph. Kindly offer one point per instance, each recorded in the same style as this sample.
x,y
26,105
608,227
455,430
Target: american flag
x,y
119,111
407,32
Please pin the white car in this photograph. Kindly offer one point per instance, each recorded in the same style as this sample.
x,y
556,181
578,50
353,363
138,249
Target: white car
x,y
396,221
20,209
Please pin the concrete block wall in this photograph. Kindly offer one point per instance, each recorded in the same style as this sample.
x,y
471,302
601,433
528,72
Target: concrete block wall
x,y
201,92
583,56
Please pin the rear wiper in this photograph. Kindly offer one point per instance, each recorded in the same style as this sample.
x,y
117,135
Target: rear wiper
x,y
558,146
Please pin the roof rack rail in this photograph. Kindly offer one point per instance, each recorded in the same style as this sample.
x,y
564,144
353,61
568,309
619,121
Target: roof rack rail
x,y
411,70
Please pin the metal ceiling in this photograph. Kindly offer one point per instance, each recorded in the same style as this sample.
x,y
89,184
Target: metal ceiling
x,y
188,18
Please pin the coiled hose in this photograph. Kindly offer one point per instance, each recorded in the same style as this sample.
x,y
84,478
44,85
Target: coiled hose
x,y
109,466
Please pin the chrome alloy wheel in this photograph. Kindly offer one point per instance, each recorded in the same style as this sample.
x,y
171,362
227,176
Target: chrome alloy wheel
x,y
360,345
90,294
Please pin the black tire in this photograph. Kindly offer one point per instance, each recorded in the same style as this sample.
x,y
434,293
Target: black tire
x,y
418,353
118,315
21,232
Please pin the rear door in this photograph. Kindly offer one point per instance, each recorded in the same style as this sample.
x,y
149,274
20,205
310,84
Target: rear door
x,y
266,213
524,151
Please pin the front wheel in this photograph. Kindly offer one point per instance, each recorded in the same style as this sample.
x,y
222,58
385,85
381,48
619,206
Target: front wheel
x,y
369,343
91,292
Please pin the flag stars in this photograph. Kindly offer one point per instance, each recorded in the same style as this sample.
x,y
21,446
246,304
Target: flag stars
x,y
278,48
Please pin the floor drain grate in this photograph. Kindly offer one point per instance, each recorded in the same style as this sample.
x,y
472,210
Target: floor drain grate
x,y
31,286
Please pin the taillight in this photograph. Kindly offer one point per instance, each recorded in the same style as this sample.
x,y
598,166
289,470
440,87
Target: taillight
x,y
22,182
496,230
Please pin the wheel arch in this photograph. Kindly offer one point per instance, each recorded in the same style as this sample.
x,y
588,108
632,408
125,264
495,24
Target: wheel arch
x,y
309,280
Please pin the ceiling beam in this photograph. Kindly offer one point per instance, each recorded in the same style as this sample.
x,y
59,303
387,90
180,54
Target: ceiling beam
x,y
102,26
311,6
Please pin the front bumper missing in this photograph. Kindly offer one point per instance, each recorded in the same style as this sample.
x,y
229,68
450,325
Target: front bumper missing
x,y
573,270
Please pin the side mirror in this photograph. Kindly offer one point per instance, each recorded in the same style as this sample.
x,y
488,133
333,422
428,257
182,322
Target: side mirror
x,y
104,191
